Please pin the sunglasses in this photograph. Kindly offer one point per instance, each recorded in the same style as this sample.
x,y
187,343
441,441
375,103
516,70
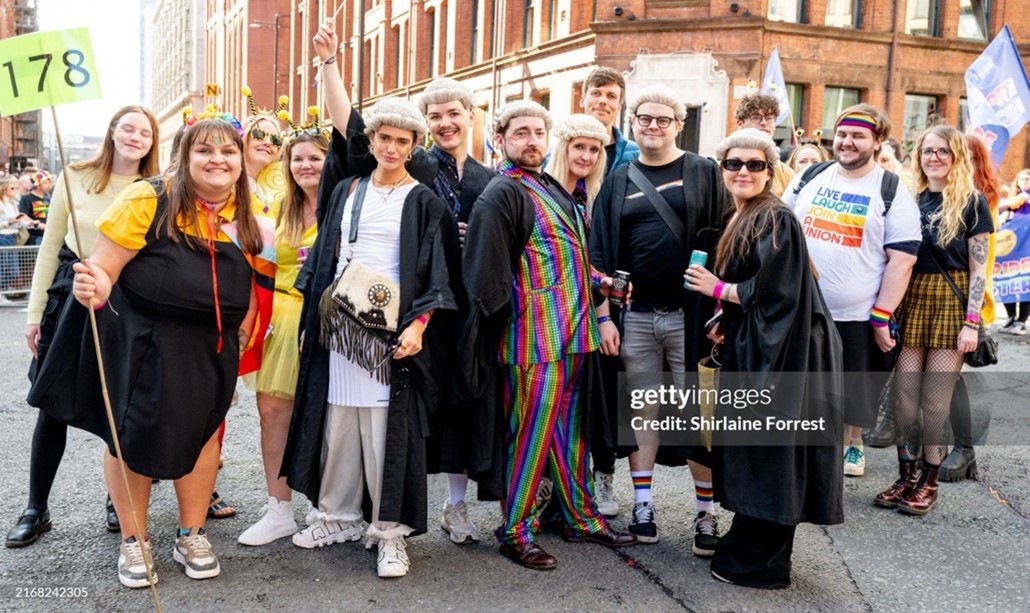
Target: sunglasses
x,y
260,134
312,131
734,165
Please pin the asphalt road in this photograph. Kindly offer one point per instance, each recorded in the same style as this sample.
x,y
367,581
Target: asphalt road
x,y
972,552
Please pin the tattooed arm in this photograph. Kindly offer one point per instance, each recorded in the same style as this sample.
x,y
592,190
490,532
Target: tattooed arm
x,y
968,336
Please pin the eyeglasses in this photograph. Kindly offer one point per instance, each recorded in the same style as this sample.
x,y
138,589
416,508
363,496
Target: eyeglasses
x,y
734,165
645,121
760,119
260,134
942,154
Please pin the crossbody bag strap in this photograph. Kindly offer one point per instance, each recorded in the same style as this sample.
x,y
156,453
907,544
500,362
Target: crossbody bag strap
x,y
961,298
659,203
355,212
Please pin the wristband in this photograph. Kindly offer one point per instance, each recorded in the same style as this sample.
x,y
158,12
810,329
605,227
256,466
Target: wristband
x,y
100,305
423,319
879,318
971,325
973,318
717,289
331,60
603,318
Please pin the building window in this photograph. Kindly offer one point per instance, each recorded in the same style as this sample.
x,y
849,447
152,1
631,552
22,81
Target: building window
x,y
920,111
527,23
431,51
841,13
795,93
921,17
492,44
397,47
835,100
963,114
972,19
785,10
474,35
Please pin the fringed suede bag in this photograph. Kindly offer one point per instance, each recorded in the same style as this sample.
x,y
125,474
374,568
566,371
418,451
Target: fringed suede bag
x,y
359,312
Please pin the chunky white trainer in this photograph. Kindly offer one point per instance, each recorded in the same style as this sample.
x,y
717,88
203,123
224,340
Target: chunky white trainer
x,y
325,531
393,558
276,522
604,494
455,522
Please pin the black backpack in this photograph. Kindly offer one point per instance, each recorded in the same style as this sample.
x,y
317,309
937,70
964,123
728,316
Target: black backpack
x,y
888,186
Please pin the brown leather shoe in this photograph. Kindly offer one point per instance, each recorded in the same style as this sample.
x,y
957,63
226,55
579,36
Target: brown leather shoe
x,y
890,497
529,555
608,538
923,497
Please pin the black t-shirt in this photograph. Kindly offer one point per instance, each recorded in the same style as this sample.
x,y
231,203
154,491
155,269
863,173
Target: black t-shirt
x,y
955,256
653,256
35,207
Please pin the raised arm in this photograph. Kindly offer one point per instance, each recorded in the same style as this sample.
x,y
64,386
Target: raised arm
x,y
327,46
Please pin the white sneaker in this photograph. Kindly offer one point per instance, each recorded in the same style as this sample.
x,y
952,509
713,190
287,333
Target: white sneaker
x,y
132,570
393,558
326,531
456,523
194,552
275,523
604,496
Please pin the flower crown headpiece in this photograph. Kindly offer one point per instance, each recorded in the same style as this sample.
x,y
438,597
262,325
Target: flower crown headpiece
x,y
311,128
210,111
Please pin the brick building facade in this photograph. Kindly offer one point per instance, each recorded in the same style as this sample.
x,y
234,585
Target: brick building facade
x,y
20,135
907,56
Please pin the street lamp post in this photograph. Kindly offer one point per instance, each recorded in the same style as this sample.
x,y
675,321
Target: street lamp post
x,y
274,26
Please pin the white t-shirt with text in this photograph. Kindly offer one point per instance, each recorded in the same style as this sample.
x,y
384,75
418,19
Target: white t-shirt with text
x,y
846,232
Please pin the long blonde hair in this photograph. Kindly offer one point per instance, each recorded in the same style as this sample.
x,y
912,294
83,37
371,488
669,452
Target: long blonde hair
x,y
103,162
291,213
957,193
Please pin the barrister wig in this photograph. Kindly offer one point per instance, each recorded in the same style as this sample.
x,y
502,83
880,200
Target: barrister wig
x,y
444,89
578,125
519,108
398,113
659,94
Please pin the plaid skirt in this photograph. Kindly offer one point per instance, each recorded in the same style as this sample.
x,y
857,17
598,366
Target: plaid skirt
x,y
931,315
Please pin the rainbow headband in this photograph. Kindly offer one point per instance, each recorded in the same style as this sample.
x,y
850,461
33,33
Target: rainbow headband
x,y
859,120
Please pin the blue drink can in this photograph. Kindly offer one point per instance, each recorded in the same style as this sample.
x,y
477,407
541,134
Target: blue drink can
x,y
696,257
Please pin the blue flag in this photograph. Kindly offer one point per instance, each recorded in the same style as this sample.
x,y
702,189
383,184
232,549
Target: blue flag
x,y
999,94
773,85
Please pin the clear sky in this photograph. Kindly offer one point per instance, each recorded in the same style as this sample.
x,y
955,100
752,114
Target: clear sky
x,y
114,33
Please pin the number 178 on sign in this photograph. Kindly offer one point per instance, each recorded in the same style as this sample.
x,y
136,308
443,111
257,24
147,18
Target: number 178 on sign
x,y
46,68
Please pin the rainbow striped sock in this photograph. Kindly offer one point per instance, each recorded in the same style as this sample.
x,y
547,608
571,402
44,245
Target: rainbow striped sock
x,y
705,498
642,485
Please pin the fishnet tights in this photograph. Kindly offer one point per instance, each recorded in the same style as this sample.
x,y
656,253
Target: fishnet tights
x,y
924,382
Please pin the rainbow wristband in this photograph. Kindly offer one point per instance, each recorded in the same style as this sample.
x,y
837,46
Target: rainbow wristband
x,y
717,289
878,318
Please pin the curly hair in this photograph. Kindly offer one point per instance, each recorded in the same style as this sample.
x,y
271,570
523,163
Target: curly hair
x,y
762,104
984,178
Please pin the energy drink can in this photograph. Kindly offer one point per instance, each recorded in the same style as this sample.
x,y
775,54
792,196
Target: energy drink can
x,y
696,257
620,282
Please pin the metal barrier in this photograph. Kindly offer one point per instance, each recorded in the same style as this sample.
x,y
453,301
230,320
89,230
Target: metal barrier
x,y
16,267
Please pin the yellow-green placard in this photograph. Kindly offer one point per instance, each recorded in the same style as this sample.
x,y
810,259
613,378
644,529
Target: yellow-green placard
x,y
47,68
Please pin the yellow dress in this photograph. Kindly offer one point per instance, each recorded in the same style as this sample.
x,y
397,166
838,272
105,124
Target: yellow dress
x,y
280,361
269,187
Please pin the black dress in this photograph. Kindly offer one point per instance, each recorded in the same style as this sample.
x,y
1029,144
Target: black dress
x,y
169,385
780,337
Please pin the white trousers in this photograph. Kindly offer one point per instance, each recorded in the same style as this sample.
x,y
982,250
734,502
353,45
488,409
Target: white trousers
x,y
353,454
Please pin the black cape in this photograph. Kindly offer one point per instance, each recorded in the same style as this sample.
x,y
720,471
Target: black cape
x,y
348,155
708,205
501,224
424,286
782,336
